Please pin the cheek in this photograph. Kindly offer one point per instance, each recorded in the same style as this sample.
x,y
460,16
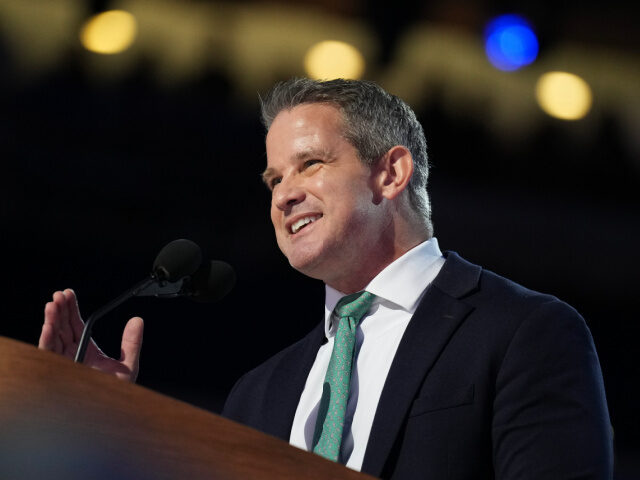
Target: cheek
x,y
276,221
272,215
356,202
275,214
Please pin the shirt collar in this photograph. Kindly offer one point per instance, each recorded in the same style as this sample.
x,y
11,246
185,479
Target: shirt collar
x,y
402,282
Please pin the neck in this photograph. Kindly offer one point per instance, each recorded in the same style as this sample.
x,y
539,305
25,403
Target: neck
x,y
371,267
403,231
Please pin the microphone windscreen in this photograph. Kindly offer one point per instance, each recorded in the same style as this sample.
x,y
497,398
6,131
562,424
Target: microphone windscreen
x,y
212,281
178,259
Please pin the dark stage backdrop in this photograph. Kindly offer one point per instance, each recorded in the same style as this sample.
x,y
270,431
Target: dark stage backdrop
x,y
96,179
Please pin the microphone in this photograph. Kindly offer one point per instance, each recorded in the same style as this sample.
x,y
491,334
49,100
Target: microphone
x,y
211,282
174,264
176,260
177,271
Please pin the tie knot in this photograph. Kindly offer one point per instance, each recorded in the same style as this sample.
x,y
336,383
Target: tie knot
x,y
354,305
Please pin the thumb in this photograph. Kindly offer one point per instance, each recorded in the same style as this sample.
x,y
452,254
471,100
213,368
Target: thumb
x,y
131,345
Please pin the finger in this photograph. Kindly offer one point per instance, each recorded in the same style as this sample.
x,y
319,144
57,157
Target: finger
x,y
76,325
75,320
131,345
48,338
63,326
52,315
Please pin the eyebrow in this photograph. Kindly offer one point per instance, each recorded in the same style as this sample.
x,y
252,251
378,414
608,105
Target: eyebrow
x,y
267,175
270,172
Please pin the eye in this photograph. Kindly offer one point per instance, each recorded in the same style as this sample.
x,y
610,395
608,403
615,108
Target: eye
x,y
274,181
310,163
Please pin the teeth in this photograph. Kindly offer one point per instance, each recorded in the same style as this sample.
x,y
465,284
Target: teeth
x,y
302,222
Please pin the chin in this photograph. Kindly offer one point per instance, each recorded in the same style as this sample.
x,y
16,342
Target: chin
x,y
308,264
307,268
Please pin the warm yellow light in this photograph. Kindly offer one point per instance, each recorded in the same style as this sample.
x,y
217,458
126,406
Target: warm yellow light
x,y
564,95
333,59
109,32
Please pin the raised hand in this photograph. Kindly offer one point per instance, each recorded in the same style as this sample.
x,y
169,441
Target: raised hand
x,y
62,330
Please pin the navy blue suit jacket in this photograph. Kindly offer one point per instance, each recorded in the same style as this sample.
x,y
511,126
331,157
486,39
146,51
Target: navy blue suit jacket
x,y
490,380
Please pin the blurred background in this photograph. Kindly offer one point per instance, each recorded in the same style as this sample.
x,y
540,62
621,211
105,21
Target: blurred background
x,y
127,124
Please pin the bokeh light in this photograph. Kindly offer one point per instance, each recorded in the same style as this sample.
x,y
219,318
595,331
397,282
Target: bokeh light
x,y
109,32
564,95
510,42
333,59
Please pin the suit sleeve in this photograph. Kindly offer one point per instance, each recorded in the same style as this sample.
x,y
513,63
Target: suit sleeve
x,y
550,412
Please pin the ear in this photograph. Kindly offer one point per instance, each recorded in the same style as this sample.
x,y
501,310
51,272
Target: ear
x,y
394,171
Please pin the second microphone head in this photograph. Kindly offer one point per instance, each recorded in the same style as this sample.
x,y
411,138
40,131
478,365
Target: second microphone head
x,y
212,281
178,259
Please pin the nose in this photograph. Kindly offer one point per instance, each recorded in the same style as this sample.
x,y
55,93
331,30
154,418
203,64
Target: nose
x,y
288,193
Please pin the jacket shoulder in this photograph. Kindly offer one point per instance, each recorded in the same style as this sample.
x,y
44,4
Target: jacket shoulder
x,y
488,291
286,371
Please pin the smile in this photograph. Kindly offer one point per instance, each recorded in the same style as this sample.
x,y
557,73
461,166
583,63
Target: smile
x,y
299,224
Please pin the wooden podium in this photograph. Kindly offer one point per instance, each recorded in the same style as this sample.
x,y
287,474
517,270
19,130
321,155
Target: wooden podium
x,y
63,420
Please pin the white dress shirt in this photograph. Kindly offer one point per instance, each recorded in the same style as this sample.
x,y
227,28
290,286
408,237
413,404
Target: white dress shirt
x,y
399,288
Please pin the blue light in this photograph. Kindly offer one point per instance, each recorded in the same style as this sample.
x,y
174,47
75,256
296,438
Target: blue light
x,y
510,42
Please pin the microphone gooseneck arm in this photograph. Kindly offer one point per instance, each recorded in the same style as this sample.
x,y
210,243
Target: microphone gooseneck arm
x,y
177,272
86,332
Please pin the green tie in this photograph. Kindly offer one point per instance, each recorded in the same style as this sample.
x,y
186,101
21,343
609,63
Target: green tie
x,y
335,390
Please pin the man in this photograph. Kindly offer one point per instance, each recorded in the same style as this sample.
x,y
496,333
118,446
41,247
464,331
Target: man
x,y
425,366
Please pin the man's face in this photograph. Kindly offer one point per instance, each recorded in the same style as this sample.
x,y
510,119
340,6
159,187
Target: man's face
x,y
325,212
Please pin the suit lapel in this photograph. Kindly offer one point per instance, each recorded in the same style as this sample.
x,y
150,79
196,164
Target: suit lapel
x,y
288,381
434,322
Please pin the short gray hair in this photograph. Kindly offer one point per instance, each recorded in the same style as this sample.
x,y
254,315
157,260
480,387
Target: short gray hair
x,y
374,121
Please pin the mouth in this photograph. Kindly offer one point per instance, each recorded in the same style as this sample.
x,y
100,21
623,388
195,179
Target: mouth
x,y
302,222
